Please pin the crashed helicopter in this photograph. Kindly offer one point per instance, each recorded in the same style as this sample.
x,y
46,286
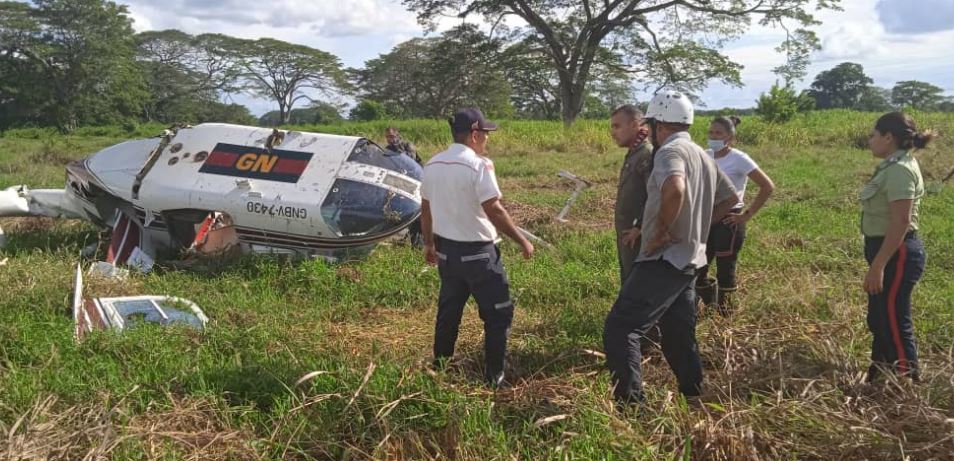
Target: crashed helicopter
x,y
219,185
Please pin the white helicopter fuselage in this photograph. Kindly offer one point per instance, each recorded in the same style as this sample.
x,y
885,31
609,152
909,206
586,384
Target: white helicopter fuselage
x,y
283,191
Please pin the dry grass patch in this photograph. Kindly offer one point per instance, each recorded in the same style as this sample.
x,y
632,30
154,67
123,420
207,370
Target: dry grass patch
x,y
192,429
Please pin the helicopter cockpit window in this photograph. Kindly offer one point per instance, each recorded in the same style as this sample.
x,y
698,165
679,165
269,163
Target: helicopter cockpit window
x,y
369,153
355,209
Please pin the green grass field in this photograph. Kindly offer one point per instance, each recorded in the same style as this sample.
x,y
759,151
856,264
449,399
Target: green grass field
x,y
783,375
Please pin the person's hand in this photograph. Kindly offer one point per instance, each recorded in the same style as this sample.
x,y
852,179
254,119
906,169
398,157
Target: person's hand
x,y
430,254
874,280
737,218
527,249
630,237
660,240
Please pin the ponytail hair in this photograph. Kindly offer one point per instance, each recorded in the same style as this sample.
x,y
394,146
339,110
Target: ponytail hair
x,y
922,139
729,123
905,132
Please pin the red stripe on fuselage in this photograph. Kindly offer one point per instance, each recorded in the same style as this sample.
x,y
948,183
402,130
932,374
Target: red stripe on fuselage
x,y
290,166
219,158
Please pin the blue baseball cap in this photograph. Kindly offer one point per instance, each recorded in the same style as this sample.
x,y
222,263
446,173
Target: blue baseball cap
x,y
470,119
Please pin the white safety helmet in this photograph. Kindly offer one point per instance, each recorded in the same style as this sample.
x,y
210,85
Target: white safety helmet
x,y
670,107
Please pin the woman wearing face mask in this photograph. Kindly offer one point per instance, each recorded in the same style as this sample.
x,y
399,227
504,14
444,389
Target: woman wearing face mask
x,y
726,237
895,254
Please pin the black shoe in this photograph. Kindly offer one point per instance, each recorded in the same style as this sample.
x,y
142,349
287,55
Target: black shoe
x,y
440,363
629,406
695,402
497,382
727,304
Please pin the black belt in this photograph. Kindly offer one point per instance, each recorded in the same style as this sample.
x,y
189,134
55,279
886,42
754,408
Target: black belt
x,y
465,251
460,243
908,236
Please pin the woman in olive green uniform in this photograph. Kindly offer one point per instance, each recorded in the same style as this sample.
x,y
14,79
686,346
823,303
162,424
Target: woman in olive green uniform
x,y
895,254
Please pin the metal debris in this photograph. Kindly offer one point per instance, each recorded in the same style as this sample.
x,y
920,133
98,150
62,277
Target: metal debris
x,y
107,270
125,312
530,236
581,185
215,236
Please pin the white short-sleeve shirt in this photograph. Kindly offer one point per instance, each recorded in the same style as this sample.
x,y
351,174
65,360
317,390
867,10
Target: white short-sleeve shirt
x,y
456,182
736,165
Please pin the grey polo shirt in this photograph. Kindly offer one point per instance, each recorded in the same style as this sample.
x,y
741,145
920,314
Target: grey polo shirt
x,y
705,187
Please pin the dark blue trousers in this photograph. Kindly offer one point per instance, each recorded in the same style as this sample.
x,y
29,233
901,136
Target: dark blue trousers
x,y
655,292
723,245
473,268
889,312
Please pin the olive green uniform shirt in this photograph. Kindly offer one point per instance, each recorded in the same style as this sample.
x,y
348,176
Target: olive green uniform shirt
x,y
897,177
631,193
631,200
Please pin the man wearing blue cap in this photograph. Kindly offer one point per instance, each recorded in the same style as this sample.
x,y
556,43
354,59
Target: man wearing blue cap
x,y
461,216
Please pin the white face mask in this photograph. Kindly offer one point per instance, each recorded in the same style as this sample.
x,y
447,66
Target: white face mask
x,y
716,145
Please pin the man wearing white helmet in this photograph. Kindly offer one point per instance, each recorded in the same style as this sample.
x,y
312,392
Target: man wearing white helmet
x,y
686,192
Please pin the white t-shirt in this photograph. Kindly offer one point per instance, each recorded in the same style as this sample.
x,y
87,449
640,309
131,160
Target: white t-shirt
x,y
456,182
736,165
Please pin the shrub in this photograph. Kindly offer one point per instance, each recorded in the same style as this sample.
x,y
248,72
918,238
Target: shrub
x,y
780,105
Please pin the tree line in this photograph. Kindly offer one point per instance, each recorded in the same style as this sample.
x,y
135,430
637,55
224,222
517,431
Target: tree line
x,y
68,63
846,86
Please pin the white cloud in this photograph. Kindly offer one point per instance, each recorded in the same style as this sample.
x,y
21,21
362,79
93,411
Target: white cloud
x,y
916,16
854,40
324,18
857,34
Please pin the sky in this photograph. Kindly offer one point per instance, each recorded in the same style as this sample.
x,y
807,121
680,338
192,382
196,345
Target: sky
x,y
893,40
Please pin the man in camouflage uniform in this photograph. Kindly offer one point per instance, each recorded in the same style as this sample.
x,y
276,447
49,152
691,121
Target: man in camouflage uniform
x,y
628,131
396,145
400,146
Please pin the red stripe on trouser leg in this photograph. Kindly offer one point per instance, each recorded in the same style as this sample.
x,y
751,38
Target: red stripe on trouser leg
x,y
892,308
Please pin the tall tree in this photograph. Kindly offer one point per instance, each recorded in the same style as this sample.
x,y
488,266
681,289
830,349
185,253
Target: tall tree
x,y
840,87
679,39
874,99
917,95
287,73
19,75
78,54
182,70
321,112
536,85
431,77
533,79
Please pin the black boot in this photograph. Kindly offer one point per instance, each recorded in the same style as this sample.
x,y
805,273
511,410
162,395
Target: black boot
x,y
706,291
496,381
726,300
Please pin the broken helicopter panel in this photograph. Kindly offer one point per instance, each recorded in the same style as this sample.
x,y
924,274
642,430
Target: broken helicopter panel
x,y
276,192
125,312
580,185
